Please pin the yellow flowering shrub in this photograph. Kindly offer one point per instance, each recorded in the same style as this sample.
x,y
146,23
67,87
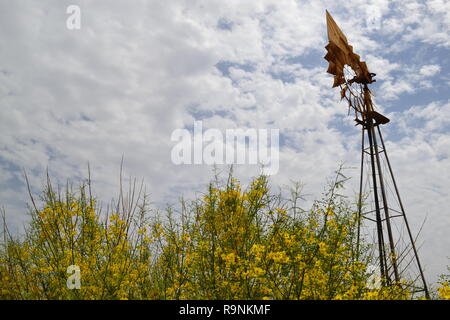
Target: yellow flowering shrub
x,y
444,287
230,243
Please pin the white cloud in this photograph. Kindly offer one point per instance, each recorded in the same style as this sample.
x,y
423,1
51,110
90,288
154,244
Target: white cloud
x,y
429,70
392,90
383,67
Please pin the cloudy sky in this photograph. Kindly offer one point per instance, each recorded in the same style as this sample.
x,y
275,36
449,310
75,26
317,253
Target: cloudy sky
x,y
138,70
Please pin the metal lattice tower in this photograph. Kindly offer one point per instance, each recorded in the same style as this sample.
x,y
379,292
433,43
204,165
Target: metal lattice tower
x,y
398,259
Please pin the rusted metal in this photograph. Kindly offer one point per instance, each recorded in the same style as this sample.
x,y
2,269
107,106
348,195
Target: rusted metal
x,y
340,53
353,77
416,255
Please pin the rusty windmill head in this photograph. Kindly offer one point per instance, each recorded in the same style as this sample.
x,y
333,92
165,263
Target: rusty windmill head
x,y
398,259
350,73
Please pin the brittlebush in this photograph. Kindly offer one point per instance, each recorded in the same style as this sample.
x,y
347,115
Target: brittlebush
x,y
230,243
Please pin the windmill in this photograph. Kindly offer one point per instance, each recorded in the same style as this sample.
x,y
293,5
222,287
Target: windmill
x,y
398,259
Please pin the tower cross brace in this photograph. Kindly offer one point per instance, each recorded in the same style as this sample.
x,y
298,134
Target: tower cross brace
x,y
389,257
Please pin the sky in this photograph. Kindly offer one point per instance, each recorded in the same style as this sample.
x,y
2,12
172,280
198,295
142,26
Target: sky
x,y
137,70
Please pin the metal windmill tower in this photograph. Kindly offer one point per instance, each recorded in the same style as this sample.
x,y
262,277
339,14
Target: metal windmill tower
x,y
397,253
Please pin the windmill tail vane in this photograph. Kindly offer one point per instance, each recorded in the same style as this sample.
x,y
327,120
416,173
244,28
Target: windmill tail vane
x,y
398,259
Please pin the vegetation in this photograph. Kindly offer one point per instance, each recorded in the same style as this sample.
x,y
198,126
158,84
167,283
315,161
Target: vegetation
x,y
228,243
444,288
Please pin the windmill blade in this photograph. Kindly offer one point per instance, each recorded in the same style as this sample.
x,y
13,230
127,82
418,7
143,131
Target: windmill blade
x,y
340,53
335,34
